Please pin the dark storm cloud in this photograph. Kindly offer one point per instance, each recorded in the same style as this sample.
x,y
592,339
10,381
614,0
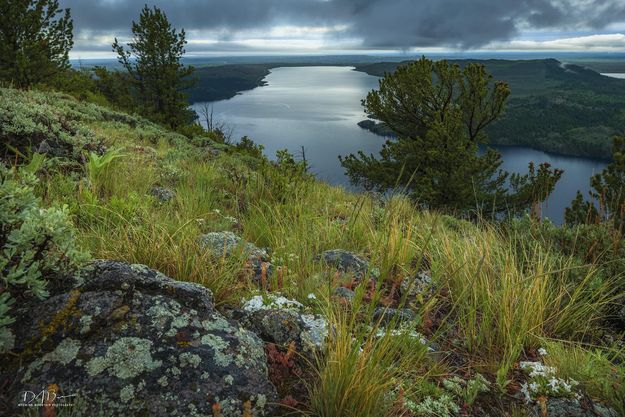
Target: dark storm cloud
x,y
377,23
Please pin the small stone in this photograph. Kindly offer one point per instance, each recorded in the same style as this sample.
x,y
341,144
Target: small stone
x,y
385,315
345,261
421,284
345,293
162,194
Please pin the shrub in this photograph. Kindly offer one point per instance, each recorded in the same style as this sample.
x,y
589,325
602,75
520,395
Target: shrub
x,y
37,246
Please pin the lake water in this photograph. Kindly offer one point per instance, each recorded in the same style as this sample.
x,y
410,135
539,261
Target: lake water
x,y
614,75
319,108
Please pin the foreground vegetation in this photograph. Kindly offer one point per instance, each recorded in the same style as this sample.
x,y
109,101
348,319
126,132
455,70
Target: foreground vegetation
x,y
499,294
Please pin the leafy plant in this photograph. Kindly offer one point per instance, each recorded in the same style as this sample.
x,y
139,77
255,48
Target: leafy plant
x,y
37,246
98,166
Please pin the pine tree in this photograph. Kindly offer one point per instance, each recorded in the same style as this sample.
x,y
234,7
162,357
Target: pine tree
x,y
35,40
153,62
607,197
439,113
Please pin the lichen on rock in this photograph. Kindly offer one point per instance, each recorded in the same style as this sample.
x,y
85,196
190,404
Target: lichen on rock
x,y
143,344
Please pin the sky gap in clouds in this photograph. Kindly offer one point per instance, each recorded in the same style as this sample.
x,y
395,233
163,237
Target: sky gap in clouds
x,y
306,25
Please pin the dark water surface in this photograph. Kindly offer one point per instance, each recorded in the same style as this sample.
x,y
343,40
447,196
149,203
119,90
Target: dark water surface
x,y
318,108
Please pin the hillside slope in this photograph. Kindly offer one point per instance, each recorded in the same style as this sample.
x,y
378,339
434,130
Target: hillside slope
x,y
365,305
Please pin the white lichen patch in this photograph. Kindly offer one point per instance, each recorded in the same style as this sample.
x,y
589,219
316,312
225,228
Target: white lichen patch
x,y
189,359
64,353
216,323
220,348
315,333
85,324
162,381
126,358
127,393
270,302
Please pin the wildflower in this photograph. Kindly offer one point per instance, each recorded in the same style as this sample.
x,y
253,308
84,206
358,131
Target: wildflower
x,y
311,296
542,352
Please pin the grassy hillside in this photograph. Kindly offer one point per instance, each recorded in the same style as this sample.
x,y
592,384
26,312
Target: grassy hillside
x,y
498,295
555,107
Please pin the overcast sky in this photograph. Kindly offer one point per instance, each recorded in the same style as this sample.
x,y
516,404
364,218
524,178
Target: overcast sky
x,y
244,27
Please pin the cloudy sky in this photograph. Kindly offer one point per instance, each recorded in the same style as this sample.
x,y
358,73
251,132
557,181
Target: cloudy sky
x,y
244,27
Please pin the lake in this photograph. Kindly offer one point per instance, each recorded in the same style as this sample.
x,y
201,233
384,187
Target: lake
x,y
614,75
319,108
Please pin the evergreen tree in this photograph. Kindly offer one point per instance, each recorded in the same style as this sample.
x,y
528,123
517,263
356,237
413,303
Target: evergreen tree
x,y
153,62
35,40
607,197
439,113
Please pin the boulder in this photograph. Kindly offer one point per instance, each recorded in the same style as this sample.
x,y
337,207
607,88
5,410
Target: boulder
x,y
345,261
228,244
279,320
128,340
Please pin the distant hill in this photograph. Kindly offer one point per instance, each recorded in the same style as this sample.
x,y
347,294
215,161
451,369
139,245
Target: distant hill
x,y
225,81
556,107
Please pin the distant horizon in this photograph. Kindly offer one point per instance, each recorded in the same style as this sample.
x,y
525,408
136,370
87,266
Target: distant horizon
x,y
313,27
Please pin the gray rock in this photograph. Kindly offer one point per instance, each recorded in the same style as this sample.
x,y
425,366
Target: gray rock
x,y
345,261
421,284
131,341
346,293
228,244
385,315
282,321
163,194
569,407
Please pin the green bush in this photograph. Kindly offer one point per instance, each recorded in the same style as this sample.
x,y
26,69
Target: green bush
x,y
37,246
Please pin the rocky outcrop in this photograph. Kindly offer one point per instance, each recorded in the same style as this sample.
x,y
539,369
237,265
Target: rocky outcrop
x,y
130,341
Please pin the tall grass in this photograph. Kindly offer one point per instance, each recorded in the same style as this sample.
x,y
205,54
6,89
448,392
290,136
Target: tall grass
x,y
363,374
504,301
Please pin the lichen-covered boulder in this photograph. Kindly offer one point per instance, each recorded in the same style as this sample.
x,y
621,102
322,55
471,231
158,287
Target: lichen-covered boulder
x,y
345,261
131,341
279,320
227,244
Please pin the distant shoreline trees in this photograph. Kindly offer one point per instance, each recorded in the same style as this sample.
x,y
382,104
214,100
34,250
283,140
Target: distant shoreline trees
x,y
35,40
439,113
